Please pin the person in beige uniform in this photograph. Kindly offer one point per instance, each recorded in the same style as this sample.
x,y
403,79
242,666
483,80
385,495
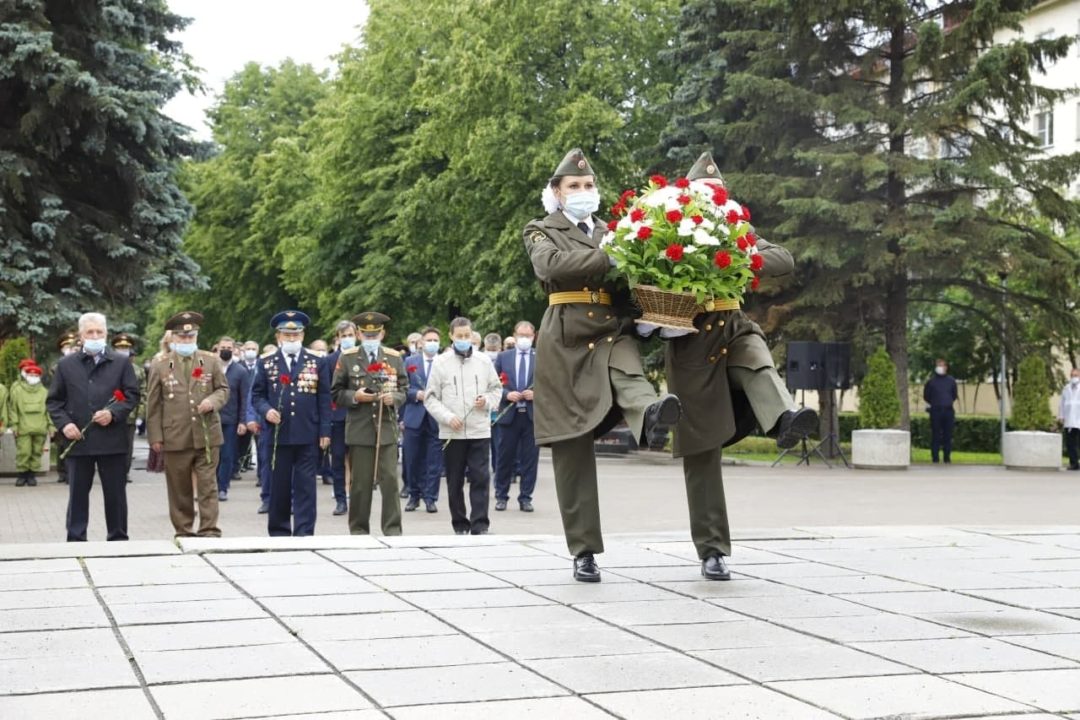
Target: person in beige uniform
x,y
728,383
588,367
185,390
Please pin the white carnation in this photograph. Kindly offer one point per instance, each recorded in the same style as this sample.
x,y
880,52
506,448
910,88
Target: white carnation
x,y
686,227
660,196
701,237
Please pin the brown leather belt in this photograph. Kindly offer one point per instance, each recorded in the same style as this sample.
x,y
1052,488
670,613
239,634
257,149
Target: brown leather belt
x,y
591,297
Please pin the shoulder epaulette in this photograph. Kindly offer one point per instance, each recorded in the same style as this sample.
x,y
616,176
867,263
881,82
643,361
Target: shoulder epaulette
x,y
391,352
350,351
272,353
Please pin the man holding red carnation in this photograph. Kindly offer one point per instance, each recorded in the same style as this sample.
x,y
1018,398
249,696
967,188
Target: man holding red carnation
x,y
185,391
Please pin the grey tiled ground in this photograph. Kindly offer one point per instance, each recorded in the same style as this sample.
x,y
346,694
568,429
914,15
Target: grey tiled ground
x,y
912,622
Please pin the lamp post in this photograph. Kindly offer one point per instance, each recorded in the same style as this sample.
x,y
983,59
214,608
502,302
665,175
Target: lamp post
x,y
1004,275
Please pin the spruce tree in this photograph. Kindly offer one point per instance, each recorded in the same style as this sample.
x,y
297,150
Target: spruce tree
x,y
90,213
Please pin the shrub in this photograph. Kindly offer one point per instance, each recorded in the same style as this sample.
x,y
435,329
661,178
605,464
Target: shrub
x,y
14,350
879,400
1031,404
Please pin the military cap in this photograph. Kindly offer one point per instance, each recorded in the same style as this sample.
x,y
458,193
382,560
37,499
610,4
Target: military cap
x,y
184,323
33,369
573,164
25,363
123,341
705,169
68,339
290,321
370,322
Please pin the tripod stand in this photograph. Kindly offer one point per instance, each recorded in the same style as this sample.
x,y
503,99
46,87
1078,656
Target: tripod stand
x,y
831,443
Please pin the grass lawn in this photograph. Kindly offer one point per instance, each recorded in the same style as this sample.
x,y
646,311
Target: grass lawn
x,y
764,450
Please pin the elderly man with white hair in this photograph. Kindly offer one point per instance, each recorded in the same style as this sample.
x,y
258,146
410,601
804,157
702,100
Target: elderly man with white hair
x,y
92,393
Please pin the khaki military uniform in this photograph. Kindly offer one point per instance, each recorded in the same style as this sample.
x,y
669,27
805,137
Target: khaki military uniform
x,y
588,367
139,411
28,419
173,394
361,428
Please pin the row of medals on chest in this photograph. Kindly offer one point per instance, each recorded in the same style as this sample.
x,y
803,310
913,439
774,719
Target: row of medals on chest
x,y
305,381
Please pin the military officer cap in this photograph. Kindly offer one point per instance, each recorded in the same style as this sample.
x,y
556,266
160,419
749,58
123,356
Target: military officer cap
x,y
184,323
123,341
290,321
23,364
68,339
705,169
32,369
574,164
370,323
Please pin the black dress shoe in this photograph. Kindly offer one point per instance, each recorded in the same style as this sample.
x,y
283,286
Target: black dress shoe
x,y
526,506
585,569
660,417
264,508
461,532
500,505
479,531
430,506
794,425
412,504
20,479
404,493
31,479
714,568
341,508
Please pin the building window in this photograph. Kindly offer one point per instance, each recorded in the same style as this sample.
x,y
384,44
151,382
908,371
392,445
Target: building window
x,y
1044,128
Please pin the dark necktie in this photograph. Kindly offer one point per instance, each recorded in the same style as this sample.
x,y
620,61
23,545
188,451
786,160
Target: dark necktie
x,y
373,358
583,227
291,362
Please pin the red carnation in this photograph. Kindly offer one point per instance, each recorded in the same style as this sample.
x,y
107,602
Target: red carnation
x,y
722,259
119,396
644,232
618,209
697,219
333,405
658,180
683,199
411,369
674,253
374,367
757,262
732,217
504,379
637,215
284,379
626,195
751,238
197,372
612,224
742,243
755,282
745,213
682,183
720,195
674,215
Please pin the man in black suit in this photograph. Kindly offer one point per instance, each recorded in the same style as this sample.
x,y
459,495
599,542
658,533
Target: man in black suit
x,y
516,445
233,413
92,393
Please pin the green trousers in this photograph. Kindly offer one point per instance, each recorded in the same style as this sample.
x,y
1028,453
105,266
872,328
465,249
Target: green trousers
x,y
28,450
362,475
708,508
574,463
768,397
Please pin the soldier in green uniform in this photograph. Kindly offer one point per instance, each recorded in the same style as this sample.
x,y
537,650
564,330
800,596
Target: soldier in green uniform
x,y
365,377
66,344
28,419
186,390
725,376
124,345
588,366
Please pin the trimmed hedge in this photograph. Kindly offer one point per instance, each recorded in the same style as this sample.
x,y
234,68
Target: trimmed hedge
x,y
972,433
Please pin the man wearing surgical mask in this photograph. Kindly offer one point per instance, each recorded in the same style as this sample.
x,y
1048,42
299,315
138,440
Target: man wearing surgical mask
x,y
421,447
1069,417
516,446
233,414
940,394
345,338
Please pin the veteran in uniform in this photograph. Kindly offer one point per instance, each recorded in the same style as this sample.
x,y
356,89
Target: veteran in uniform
x,y
186,390
66,344
588,366
124,346
728,383
291,394
360,387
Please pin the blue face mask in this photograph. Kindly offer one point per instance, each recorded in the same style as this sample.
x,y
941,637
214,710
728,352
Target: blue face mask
x,y
348,343
431,347
463,346
186,349
93,347
370,346
581,205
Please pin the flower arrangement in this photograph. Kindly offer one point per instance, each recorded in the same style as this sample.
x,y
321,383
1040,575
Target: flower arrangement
x,y
687,238
117,397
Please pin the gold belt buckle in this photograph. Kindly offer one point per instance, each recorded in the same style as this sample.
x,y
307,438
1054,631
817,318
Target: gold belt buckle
x,y
594,297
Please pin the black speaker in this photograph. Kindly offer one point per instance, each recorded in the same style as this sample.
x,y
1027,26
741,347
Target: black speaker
x,y
837,366
805,366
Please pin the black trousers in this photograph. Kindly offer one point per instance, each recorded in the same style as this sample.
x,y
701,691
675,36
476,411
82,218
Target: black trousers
x,y
475,455
113,472
1072,441
942,420
131,448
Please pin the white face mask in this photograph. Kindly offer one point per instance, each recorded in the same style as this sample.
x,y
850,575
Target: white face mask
x,y
1074,381
33,379
292,347
524,344
581,205
250,355
940,370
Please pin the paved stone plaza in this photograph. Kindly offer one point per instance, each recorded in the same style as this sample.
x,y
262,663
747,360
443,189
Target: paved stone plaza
x,y
874,622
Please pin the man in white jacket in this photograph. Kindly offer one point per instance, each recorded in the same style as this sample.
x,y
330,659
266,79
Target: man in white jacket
x,y
462,389
1069,417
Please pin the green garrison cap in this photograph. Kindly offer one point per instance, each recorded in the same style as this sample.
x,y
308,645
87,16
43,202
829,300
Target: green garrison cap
x,y
705,169
574,164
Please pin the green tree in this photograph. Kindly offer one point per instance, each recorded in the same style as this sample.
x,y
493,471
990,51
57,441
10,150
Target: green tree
x,y
1031,404
90,212
879,402
887,145
13,351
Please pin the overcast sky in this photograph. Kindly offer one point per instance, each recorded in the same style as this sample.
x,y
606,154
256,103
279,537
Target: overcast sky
x,y
226,34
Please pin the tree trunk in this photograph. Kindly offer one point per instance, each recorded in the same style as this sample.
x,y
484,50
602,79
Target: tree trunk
x,y
896,294
828,422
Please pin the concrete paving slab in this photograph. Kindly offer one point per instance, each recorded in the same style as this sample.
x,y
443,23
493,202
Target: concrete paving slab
x,y
1051,690
131,704
623,673
405,652
258,698
744,702
964,655
496,681
815,659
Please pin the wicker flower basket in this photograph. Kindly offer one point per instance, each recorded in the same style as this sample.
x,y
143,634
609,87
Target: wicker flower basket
x,y
668,309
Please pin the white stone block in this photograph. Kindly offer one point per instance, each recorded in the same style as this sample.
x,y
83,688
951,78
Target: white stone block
x,y
1031,450
881,449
